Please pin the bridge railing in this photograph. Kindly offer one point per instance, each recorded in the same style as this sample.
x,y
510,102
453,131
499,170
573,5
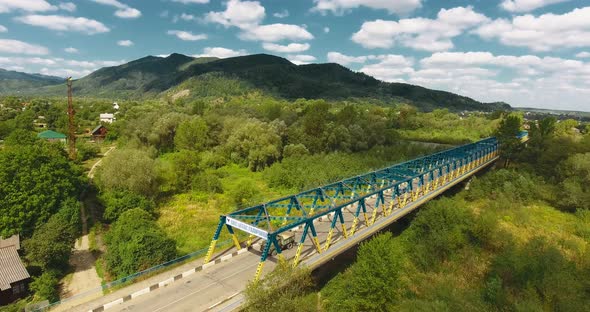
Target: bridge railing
x,y
391,187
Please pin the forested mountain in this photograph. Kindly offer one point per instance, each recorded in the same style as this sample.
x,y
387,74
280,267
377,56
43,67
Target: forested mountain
x,y
11,81
150,76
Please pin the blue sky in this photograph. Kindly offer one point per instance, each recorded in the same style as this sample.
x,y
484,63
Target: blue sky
x,y
524,52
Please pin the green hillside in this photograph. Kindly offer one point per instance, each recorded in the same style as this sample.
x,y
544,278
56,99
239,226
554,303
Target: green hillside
x,y
13,81
276,76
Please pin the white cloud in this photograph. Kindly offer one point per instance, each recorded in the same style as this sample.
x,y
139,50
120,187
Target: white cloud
x,y
3,29
326,30
187,35
290,48
281,14
583,55
128,13
338,7
536,81
543,33
301,59
242,14
390,67
221,52
71,50
419,33
65,72
186,17
20,47
65,23
26,5
125,43
191,1
123,10
67,6
345,60
526,5
56,66
276,32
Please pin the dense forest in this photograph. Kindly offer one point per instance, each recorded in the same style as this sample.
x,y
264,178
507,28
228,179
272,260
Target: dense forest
x,y
176,163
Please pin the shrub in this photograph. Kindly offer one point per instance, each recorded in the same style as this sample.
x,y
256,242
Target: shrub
x,y
86,150
117,202
440,229
46,286
135,243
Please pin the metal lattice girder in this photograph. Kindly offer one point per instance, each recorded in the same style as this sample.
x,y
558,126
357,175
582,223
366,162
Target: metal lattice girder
x,y
401,181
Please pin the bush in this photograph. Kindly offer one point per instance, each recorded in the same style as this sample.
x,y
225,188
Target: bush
x,y
128,170
245,193
117,202
286,288
46,286
135,243
86,150
373,283
440,229
537,275
51,244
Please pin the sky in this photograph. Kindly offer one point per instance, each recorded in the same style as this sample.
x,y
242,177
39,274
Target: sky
x,y
533,53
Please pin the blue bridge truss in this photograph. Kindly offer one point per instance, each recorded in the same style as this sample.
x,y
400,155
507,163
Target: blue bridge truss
x,y
364,198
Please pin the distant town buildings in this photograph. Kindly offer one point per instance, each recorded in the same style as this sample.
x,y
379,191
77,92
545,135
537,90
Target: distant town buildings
x,y
107,118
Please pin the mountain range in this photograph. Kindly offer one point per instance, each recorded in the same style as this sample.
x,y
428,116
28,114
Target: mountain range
x,y
179,74
14,82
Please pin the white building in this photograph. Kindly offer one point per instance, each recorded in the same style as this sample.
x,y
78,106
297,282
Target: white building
x,y
108,118
116,105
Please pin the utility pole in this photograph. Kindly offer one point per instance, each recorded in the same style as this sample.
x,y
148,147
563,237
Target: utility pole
x,y
71,126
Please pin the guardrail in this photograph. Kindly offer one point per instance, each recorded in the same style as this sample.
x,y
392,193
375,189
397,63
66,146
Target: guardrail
x,y
129,279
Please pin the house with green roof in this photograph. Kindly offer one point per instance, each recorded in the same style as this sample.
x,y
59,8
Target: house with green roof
x,y
52,136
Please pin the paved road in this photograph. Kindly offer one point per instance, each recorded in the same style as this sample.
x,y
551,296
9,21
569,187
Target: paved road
x,y
218,287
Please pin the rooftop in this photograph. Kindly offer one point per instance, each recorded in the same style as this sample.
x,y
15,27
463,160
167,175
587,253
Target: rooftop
x,y
13,240
12,269
50,134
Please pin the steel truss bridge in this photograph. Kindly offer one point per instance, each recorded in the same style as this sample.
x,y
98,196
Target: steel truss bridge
x,y
330,219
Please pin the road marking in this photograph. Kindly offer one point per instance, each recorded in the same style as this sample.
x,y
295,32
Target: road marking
x,y
201,289
222,301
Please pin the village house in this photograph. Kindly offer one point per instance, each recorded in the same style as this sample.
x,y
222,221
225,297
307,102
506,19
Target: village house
x,y
52,136
99,133
108,118
14,278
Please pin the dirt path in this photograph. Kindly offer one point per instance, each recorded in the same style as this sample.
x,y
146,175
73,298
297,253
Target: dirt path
x,y
93,169
84,277
82,260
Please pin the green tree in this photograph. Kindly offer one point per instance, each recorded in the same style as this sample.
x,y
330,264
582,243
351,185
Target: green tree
x,y
283,289
128,170
117,202
439,230
507,133
373,283
254,143
52,242
575,186
192,135
35,181
135,243
46,286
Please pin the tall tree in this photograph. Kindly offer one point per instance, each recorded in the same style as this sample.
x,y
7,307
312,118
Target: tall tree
x,y
507,134
34,182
